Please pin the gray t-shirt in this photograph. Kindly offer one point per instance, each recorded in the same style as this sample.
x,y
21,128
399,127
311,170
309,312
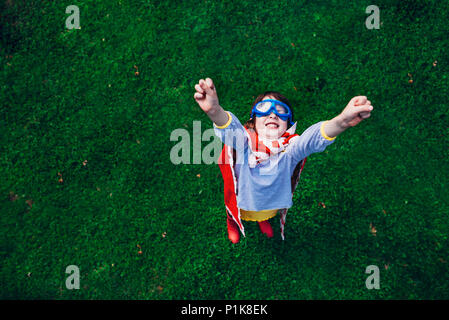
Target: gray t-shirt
x,y
268,185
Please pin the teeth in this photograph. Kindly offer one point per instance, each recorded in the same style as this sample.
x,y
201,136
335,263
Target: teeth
x,y
272,125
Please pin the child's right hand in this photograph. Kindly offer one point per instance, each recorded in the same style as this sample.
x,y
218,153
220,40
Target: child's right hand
x,y
206,95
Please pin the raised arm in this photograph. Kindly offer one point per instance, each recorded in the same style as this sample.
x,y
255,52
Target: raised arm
x,y
358,108
318,136
226,125
207,99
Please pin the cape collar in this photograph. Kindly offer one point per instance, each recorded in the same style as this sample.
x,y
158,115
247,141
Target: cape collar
x,y
262,149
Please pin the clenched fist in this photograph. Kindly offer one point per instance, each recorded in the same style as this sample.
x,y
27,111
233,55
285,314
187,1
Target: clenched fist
x,y
358,108
206,95
207,99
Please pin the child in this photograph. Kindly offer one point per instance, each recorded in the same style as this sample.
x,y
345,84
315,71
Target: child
x,y
266,156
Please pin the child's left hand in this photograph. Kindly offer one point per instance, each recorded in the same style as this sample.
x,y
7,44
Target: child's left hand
x,y
358,108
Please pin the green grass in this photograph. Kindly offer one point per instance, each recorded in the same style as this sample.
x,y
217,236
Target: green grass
x,y
68,96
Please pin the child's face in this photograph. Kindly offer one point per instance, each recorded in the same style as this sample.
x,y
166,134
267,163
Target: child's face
x,y
271,126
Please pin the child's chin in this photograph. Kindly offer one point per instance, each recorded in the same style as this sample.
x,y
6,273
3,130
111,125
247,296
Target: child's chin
x,y
271,133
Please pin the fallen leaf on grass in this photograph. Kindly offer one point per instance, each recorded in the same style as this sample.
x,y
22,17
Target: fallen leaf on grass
x,y
12,196
372,229
30,202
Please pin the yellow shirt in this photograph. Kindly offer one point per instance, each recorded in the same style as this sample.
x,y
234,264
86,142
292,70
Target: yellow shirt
x,y
257,215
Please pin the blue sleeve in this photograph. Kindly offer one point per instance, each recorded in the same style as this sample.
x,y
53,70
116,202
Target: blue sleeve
x,y
312,140
232,133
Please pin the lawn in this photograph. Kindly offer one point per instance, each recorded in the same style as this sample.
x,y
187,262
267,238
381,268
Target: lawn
x,y
86,176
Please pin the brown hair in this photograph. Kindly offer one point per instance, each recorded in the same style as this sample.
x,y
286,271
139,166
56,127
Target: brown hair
x,y
251,123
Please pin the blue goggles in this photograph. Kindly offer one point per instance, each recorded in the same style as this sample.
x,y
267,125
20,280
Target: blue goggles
x,y
266,107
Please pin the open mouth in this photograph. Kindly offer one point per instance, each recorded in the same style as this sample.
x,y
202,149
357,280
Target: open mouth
x,y
272,125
